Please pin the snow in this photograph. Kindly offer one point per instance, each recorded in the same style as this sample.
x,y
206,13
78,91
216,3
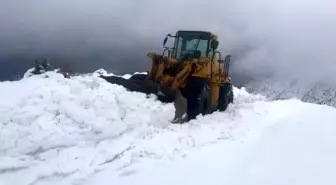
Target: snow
x,y
294,146
83,130
29,73
105,73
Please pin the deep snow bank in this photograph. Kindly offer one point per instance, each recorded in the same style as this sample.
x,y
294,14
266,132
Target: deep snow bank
x,y
51,126
36,112
59,130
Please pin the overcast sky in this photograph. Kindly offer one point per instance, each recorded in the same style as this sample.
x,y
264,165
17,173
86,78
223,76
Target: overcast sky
x,y
281,38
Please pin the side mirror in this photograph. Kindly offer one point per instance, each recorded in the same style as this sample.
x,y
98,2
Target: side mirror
x,y
165,41
214,44
227,64
227,59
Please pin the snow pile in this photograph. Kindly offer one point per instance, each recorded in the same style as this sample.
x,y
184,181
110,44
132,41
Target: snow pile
x,y
36,112
319,93
41,117
63,130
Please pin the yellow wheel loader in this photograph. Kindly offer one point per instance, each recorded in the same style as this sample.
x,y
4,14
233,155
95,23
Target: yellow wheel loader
x,y
191,74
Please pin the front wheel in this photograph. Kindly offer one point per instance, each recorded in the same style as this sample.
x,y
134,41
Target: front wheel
x,y
198,99
203,101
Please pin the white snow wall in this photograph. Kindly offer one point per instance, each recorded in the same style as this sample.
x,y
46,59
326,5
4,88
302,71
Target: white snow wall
x,y
64,129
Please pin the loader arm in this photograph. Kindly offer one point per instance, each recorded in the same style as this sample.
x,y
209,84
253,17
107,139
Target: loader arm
x,y
182,77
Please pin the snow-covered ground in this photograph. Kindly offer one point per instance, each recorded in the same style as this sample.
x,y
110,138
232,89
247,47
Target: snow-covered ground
x,y
294,147
84,130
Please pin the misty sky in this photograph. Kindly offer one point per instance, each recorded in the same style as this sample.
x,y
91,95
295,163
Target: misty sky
x,y
279,38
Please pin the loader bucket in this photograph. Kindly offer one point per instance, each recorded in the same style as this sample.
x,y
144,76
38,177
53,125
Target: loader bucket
x,y
180,104
164,94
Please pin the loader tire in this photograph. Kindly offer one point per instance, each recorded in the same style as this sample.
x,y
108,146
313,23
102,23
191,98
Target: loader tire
x,y
231,96
198,98
225,97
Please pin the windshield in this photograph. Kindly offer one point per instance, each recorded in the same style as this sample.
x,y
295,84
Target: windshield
x,y
189,45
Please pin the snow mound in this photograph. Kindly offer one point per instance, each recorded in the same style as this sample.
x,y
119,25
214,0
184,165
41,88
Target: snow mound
x,y
62,130
41,113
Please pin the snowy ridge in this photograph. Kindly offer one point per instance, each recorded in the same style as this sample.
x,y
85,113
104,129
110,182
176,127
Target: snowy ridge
x,y
318,93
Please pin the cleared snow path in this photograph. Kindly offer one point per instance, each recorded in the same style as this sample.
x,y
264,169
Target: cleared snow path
x,y
86,131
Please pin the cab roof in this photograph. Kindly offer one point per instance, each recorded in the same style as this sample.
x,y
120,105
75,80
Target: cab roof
x,y
213,35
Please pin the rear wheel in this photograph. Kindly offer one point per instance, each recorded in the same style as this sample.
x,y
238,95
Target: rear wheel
x,y
198,98
231,96
203,101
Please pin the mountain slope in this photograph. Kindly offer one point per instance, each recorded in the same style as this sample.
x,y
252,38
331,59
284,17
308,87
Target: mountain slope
x,y
318,93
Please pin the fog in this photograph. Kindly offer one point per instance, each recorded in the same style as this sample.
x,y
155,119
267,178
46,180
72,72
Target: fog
x,y
283,39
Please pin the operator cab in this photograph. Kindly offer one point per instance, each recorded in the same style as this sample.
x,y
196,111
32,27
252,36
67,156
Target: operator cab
x,y
192,44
